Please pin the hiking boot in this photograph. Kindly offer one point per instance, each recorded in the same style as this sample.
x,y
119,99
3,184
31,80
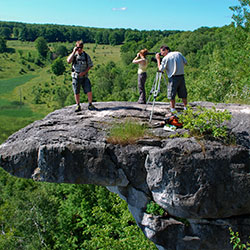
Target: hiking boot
x,y
141,102
91,107
78,108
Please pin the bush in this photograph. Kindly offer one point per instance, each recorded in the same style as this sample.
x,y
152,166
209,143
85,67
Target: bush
x,y
236,241
206,122
61,50
58,67
41,46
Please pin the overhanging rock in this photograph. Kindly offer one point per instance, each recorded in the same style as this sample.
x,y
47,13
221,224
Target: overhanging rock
x,y
203,185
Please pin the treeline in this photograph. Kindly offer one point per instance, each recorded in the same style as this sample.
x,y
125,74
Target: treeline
x,y
65,33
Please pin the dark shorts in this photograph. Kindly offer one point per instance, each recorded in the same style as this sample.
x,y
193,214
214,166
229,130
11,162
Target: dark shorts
x,y
78,82
176,85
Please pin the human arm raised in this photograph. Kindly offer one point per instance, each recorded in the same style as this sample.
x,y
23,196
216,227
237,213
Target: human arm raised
x,y
71,56
158,59
137,59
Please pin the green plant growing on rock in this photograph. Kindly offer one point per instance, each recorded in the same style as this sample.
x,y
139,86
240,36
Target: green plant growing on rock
x,y
154,208
127,132
205,121
236,241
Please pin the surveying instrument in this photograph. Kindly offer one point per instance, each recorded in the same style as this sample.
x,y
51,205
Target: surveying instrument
x,y
155,90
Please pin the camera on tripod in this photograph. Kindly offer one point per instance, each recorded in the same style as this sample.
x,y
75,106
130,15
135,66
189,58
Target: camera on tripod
x,y
153,54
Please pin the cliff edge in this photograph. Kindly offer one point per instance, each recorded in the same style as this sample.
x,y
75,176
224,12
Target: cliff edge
x,y
203,185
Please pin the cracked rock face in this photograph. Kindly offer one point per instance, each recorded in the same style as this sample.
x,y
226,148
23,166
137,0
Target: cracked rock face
x,y
203,185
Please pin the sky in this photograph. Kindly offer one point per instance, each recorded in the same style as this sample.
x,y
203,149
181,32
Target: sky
x,y
134,14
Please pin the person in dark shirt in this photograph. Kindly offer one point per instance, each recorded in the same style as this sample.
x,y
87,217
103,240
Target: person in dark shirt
x,y
81,64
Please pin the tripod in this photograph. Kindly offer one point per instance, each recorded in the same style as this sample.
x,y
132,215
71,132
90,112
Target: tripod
x,y
155,90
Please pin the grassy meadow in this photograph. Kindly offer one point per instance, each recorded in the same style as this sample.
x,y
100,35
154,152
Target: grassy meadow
x,y
19,74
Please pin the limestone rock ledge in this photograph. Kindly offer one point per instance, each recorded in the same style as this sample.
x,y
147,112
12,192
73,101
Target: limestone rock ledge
x,y
203,185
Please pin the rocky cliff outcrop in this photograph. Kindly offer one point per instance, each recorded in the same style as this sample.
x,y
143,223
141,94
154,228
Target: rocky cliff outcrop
x,y
203,185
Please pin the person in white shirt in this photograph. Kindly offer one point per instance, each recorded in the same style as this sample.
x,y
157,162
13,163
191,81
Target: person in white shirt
x,y
173,63
142,62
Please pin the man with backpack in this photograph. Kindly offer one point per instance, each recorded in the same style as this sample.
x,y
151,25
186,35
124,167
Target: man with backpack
x,y
81,64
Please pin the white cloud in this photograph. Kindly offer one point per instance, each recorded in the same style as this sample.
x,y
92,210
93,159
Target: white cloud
x,y
119,9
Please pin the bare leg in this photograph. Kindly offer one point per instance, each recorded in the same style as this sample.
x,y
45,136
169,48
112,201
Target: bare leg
x,y
184,100
89,94
172,103
77,98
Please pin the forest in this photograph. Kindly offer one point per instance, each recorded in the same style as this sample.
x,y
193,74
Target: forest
x,y
61,33
35,80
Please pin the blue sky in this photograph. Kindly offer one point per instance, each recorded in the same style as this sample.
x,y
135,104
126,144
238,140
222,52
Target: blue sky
x,y
134,14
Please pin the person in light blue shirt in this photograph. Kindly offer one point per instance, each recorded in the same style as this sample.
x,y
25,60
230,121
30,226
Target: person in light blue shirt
x,y
173,63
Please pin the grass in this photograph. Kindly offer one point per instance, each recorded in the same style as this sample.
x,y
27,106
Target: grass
x,y
8,85
19,45
14,109
10,125
15,63
101,54
126,133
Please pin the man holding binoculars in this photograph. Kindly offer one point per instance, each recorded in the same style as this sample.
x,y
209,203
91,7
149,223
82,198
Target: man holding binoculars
x,y
81,64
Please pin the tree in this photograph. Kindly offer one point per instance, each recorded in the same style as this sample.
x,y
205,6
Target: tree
x,y
23,34
241,13
5,32
41,46
58,66
3,46
98,37
114,38
61,50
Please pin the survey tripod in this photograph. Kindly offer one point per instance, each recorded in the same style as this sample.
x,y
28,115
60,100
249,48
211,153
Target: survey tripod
x,y
155,90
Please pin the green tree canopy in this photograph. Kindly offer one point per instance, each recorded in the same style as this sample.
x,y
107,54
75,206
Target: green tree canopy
x,y
58,66
5,32
242,13
61,50
3,46
41,46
